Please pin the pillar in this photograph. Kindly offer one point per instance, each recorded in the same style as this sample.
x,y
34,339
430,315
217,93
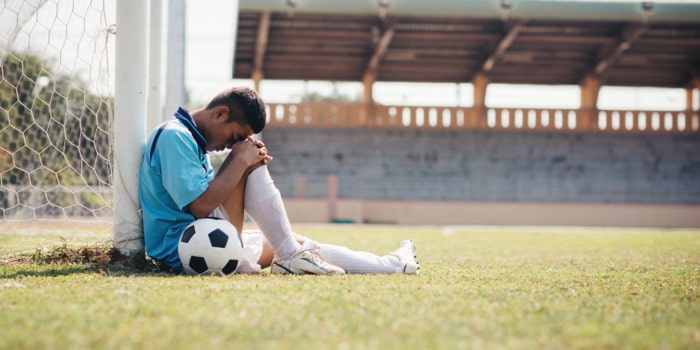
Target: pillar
x,y
588,112
478,117
332,187
367,101
130,108
257,76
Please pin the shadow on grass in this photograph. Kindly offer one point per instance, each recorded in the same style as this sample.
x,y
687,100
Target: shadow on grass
x,y
48,270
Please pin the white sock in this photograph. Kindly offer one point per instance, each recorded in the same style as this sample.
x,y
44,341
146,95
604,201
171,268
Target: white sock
x,y
358,261
263,203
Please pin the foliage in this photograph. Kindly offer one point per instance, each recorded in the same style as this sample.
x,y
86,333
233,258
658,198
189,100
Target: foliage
x,y
53,132
334,97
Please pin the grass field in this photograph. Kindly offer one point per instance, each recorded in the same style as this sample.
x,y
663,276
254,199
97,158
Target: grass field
x,y
479,288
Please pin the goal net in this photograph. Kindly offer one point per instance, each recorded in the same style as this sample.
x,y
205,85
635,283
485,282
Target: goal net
x,y
55,112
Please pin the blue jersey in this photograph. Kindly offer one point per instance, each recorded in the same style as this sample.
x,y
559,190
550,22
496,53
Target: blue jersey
x,y
174,172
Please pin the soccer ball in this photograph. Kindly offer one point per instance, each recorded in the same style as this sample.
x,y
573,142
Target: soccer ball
x,y
210,246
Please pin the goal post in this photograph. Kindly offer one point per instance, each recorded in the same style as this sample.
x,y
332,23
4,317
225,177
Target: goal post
x,y
130,118
76,96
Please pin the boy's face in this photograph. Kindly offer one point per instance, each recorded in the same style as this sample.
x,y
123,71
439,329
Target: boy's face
x,y
224,134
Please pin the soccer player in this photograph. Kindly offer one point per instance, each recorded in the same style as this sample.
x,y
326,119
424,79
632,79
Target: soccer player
x,y
177,185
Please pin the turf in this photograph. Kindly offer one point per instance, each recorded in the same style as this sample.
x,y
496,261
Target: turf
x,y
479,288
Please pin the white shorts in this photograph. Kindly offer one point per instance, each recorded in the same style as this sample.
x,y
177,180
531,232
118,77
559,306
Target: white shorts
x,y
252,245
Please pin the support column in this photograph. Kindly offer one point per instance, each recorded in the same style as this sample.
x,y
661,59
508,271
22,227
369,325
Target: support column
x,y
130,107
257,76
301,187
175,94
367,101
692,103
155,108
332,186
689,100
260,49
692,115
588,112
478,117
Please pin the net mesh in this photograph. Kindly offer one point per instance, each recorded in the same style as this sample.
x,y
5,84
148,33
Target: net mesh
x,y
55,111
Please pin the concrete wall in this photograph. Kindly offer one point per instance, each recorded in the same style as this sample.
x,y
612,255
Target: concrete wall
x,y
409,212
487,166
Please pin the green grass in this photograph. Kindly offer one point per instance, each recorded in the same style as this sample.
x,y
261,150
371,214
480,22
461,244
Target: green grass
x,y
479,288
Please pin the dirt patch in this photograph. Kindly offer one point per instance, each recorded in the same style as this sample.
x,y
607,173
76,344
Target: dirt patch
x,y
101,255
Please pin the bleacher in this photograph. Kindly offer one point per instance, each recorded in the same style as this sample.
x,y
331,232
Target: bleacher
x,y
477,166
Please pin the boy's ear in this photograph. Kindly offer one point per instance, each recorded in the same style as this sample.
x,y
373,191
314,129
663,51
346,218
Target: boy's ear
x,y
221,112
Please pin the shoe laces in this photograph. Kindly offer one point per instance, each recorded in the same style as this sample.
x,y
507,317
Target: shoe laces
x,y
309,246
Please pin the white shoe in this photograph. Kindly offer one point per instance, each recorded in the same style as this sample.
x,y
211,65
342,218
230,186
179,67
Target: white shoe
x,y
305,262
407,258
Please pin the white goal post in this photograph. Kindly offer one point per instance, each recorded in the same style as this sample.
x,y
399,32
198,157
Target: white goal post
x,y
80,87
131,100
73,102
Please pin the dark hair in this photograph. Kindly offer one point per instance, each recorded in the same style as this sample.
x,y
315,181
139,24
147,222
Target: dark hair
x,y
244,105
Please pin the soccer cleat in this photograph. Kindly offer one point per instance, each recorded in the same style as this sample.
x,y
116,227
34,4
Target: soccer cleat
x,y
407,258
305,262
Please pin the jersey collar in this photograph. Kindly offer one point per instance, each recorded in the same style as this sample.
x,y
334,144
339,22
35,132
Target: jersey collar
x,y
185,118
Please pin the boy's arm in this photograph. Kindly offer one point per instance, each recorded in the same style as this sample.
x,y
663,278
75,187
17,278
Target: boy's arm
x,y
243,155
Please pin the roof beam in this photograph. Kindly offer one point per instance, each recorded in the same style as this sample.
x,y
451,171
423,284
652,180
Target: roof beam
x,y
631,33
379,52
557,39
670,41
261,45
503,45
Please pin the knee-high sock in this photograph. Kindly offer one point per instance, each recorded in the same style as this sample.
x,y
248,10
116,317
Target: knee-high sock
x,y
358,261
263,203
354,261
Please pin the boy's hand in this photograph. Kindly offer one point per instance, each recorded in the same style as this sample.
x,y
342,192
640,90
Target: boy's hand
x,y
262,149
250,152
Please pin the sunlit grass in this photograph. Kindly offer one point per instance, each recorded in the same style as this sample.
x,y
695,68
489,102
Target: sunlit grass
x,y
480,287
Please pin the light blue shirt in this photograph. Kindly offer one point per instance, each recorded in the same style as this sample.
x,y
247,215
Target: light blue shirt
x,y
174,172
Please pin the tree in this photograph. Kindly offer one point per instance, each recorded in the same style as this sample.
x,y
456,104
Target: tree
x,y
54,133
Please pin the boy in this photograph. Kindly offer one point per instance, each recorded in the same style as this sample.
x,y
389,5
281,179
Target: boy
x,y
177,185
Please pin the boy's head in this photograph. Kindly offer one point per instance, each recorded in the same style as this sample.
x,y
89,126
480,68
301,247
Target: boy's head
x,y
245,107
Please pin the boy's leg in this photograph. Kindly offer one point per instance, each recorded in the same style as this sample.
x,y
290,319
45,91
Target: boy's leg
x,y
267,255
358,261
401,260
233,205
276,240
263,203
258,195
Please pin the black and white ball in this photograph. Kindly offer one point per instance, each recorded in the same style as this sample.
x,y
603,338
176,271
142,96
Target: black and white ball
x,y
210,246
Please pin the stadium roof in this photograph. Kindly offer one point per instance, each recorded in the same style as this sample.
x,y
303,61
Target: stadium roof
x,y
509,41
